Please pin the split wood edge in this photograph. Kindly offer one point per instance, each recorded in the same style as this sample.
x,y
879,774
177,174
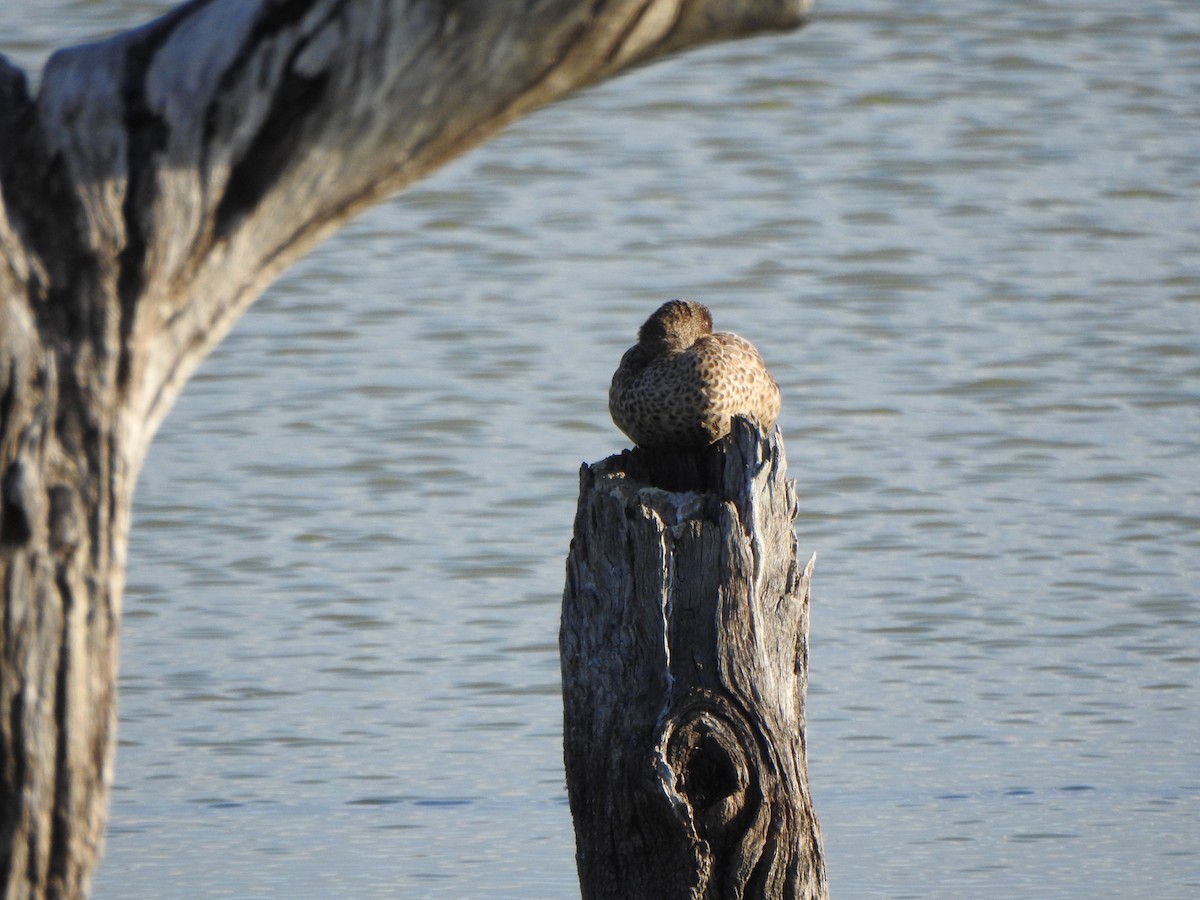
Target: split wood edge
x,y
684,649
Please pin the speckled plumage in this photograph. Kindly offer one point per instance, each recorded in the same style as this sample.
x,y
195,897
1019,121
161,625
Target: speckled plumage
x,y
680,384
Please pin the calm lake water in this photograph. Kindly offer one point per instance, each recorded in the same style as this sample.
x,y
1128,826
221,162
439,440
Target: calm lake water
x,y
965,236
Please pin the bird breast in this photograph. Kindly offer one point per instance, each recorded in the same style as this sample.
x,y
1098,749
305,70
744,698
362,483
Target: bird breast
x,y
687,398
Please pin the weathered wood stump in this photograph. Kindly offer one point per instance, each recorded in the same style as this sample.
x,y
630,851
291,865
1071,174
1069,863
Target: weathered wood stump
x,y
684,649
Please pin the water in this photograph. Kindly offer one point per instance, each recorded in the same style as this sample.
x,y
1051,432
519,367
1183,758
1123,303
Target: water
x,y
967,240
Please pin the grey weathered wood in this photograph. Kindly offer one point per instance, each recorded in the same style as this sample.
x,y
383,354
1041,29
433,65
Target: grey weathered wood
x,y
153,188
684,649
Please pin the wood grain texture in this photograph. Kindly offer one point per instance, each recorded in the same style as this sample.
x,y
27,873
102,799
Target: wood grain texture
x,y
684,647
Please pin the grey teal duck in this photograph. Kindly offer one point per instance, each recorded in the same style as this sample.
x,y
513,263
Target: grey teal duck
x,y
678,387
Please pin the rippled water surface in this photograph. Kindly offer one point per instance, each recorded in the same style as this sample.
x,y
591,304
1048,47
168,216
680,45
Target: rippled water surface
x,y
965,236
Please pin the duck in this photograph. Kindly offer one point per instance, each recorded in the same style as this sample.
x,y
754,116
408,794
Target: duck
x,y
681,384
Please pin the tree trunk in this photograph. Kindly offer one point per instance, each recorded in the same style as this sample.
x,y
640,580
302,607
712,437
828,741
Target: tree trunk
x,y
684,649
159,181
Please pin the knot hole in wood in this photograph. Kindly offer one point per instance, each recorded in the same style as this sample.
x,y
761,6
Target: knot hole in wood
x,y
711,753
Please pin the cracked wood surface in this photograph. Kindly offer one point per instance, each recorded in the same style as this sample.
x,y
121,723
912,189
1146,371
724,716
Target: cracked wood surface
x,y
684,645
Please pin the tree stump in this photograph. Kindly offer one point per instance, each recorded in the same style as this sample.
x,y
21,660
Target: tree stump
x,y
684,649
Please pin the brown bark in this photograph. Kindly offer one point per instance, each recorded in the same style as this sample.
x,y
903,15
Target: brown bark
x,y
685,666
157,183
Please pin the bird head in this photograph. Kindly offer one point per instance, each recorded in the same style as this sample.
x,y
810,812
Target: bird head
x,y
676,325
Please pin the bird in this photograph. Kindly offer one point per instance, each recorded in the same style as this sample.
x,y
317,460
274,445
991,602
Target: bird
x,y
679,386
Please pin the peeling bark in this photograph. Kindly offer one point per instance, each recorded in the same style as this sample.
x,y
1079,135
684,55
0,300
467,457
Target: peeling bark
x,y
153,188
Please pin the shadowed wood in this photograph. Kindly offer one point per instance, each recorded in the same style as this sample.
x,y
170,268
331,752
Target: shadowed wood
x,y
684,647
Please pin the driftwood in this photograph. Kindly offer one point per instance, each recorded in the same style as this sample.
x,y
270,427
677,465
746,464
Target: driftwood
x,y
153,188
684,649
